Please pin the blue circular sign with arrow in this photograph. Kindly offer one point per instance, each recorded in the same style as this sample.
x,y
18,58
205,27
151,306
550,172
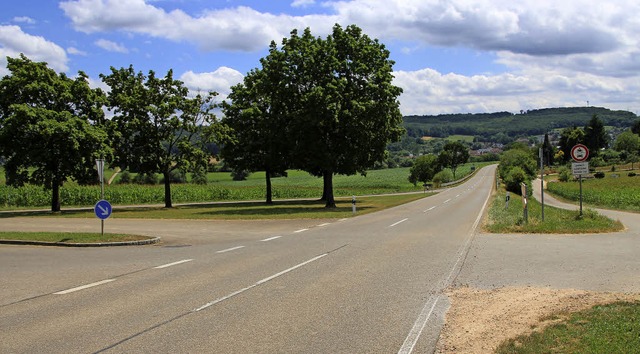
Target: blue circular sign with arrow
x,y
102,209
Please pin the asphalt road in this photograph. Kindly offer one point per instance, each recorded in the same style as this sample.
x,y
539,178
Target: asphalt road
x,y
371,283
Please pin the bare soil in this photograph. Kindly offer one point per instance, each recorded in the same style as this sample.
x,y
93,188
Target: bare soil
x,y
479,320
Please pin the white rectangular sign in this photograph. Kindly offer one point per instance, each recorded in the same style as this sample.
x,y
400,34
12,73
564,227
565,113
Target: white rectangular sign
x,y
580,168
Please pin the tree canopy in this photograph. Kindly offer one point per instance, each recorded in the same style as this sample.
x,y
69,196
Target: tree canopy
x,y
595,136
454,154
424,168
157,127
258,121
333,98
50,127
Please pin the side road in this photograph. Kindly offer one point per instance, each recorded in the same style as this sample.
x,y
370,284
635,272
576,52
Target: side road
x,y
630,220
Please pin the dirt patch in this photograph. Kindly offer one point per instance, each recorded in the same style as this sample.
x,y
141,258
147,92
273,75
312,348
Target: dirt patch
x,y
479,320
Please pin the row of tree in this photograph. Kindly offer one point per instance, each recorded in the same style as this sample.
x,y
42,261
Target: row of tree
x,y
323,105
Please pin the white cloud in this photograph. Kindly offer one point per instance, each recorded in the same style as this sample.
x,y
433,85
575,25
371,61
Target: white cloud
x,y
239,29
556,53
24,19
430,92
111,46
219,81
76,51
13,42
302,3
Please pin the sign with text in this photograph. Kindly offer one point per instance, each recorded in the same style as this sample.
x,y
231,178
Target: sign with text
x,y
580,168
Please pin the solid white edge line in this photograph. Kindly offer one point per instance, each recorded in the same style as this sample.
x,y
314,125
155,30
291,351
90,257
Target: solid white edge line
x,y
418,326
399,222
83,287
260,282
301,230
230,249
270,239
172,264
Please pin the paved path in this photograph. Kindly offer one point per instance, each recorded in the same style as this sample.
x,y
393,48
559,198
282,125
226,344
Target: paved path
x,y
600,262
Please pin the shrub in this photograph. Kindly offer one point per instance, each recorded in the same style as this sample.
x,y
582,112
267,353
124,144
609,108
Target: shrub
x,y
240,175
199,177
564,174
125,178
441,177
514,178
631,174
598,174
176,177
145,178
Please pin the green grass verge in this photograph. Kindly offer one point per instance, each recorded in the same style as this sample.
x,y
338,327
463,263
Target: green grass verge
x,y
69,237
560,221
300,209
620,193
612,328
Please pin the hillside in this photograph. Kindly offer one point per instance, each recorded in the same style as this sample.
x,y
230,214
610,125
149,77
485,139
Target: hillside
x,y
492,126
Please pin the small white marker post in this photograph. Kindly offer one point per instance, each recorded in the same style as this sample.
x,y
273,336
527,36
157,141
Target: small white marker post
x,y
353,204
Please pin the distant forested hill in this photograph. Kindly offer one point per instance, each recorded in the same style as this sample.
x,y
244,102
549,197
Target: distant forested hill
x,y
493,126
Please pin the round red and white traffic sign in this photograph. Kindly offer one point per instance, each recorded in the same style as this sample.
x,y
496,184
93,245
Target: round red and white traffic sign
x,y
579,153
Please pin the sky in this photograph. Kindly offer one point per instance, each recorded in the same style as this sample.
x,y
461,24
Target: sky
x,y
451,56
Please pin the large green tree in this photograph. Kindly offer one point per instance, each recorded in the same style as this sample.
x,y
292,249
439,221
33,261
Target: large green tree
x,y
628,144
424,168
342,106
257,117
157,126
453,154
568,139
50,127
595,136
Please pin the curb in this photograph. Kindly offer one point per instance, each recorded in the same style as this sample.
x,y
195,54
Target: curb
x,y
68,244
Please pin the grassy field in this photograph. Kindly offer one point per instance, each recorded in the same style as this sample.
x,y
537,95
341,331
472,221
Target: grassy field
x,y
510,220
464,138
621,192
221,187
612,328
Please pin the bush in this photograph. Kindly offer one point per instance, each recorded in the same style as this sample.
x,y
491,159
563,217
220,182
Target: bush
x,y
598,174
199,177
631,174
125,178
514,178
441,177
145,178
564,174
240,175
176,176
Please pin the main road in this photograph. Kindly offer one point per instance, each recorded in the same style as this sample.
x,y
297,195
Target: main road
x,y
372,283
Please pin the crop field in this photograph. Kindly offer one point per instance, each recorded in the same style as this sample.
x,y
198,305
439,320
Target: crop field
x,y
621,192
220,187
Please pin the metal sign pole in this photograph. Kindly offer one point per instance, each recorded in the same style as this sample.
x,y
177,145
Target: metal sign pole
x,y
542,181
580,178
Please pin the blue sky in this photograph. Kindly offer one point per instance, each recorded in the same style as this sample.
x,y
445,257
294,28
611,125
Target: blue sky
x,y
452,56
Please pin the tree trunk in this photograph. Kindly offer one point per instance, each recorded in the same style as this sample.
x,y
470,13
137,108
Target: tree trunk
x,y
327,177
167,190
268,181
55,195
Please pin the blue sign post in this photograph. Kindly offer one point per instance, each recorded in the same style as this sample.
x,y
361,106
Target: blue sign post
x,y
103,211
